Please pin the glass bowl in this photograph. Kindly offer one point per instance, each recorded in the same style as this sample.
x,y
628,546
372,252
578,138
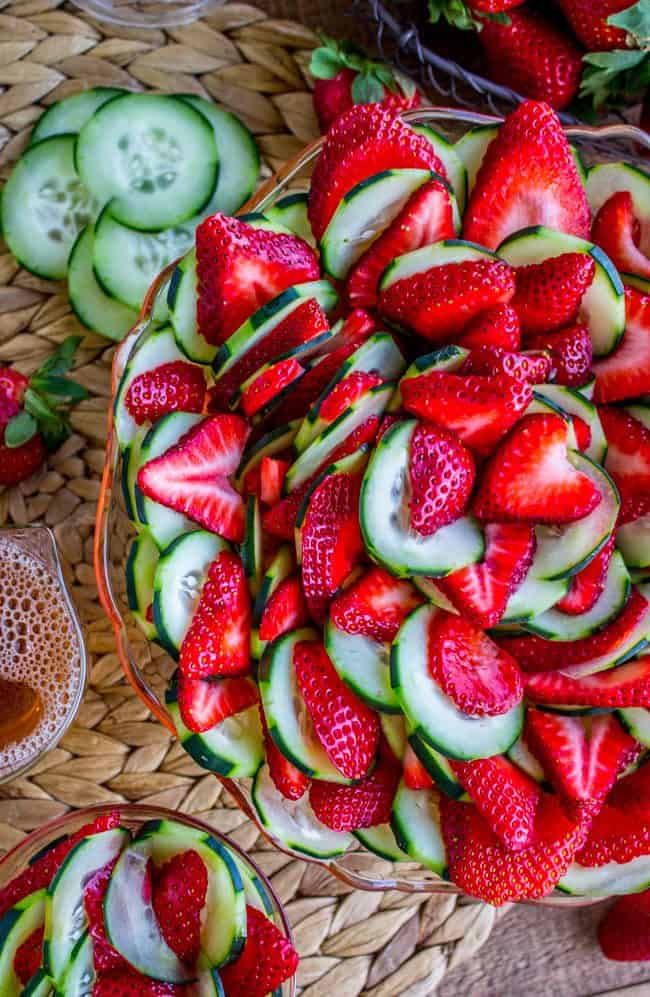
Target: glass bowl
x,y
132,816
149,672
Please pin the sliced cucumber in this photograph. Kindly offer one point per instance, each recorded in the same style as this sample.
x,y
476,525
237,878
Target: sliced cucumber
x,y
363,664
438,767
163,524
635,641
454,166
379,354
372,402
80,974
557,626
15,928
363,214
636,720
158,348
287,717
606,179
293,822
437,255
291,211
178,579
471,149
415,821
430,588
565,550
271,443
520,754
65,922
90,303
534,596
383,512
45,205
633,541
252,551
603,305
181,302
129,473
68,116
266,318
433,716
234,748
140,573
381,841
393,727
38,986
572,402
223,920
278,570
611,879
153,157
257,895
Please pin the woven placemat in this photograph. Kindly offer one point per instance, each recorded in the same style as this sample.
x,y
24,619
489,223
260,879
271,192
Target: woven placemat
x,y
351,942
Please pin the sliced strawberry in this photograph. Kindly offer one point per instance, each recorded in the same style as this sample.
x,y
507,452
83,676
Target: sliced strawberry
x,y
415,775
40,874
528,177
549,293
388,419
529,477
571,354
266,387
363,436
479,409
309,388
587,585
505,796
481,591
331,541
625,373
180,889
481,678
535,654
273,471
621,831
129,983
217,642
626,685
346,393
364,141
192,477
628,458
286,610
582,757
497,326
426,218
491,360
582,432
359,324
106,959
29,956
624,932
439,302
280,519
266,962
482,866
441,477
239,268
173,387
375,605
618,232
347,729
300,326
366,804
288,780
204,703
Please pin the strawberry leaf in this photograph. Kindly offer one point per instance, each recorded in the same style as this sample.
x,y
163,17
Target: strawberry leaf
x,y
367,89
635,20
61,360
20,430
325,64
612,76
60,389
455,12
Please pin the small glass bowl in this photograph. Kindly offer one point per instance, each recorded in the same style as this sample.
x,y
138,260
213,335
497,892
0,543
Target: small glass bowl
x,y
148,675
148,13
132,816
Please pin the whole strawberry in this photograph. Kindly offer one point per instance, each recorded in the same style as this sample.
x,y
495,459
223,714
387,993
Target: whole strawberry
x,y
589,20
345,76
34,413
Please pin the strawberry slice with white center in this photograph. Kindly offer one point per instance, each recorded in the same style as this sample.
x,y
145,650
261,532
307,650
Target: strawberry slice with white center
x,y
587,585
625,373
290,781
571,353
617,231
286,610
217,642
441,477
482,866
273,471
621,831
239,268
331,540
414,773
480,410
504,795
426,218
549,293
496,326
582,757
530,479
491,360
375,605
528,177
264,388
616,688
366,804
205,703
628,458
481,591
347,729
193,476
480,678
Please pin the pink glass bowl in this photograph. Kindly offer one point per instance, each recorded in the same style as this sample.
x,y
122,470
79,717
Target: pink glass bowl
x,y
148,674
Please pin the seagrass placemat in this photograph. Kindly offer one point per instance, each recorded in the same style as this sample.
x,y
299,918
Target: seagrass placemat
x,y
351,942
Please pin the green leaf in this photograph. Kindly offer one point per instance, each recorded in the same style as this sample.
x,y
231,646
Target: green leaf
x,y
635,20
324,64
61,388
20,430
62,359
614,76
38,407
455,12
367,89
